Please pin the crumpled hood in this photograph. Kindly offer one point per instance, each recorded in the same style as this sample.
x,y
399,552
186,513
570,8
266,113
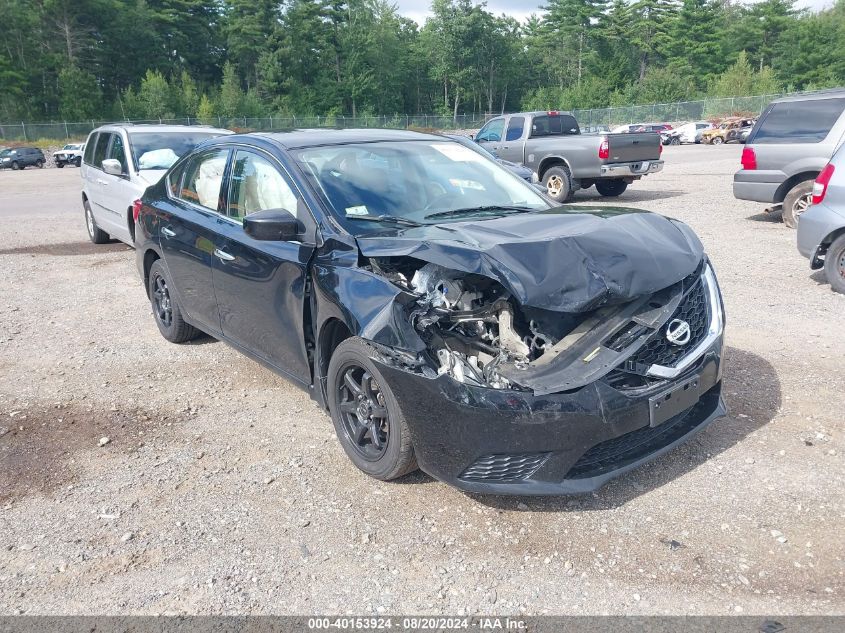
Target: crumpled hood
x,y
567,259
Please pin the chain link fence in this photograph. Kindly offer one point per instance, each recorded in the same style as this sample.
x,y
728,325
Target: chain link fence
x,y
589,119
79,130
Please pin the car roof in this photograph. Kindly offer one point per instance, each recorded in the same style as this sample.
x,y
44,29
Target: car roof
x,y
297,139
130,127
832,93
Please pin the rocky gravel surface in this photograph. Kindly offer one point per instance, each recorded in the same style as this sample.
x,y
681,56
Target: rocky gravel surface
x,y
140,477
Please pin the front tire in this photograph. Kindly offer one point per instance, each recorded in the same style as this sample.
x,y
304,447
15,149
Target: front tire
x,y
367,418
97,235
558,183
796,202
675,140
78,162
611,188
166,310
60,165
718,140
16,166
834,264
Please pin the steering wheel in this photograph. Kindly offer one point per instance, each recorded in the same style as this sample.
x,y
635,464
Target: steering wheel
x,y
439,199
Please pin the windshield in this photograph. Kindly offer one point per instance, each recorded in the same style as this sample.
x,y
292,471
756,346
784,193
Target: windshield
x,y
5,152
159,150
411,182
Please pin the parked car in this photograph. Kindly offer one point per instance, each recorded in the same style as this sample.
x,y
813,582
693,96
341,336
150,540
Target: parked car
x,y
515,168
21,158
725,132
70,154
437,307
821,231
120,161
552,146
793,140
740,134
686,133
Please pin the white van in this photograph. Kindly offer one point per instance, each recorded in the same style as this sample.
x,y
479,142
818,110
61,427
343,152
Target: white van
x,y
120,162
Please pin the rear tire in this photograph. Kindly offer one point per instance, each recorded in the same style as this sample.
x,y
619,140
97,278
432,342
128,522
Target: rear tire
x,y
834,264
558,183
796,202
611,188
166,310
366,415
39,163
97,235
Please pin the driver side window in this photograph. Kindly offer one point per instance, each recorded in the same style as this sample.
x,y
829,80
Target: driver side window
x,y
257,185
492,132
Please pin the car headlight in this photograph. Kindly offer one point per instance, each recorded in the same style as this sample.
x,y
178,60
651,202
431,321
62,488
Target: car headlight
x,y
6,160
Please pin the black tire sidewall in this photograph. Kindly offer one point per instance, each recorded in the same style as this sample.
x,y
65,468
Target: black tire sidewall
x,y
611,188
59,164
834,252
565,193
801,189
15,166
354,351
158,269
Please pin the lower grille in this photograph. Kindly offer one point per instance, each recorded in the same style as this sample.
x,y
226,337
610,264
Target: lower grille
x,y
504,468
625,449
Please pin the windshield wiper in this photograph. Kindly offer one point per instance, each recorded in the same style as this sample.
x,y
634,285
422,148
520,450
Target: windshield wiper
x,y
387,219
485,209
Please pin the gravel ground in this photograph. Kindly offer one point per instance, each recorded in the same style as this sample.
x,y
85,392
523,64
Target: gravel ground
x,y
140,477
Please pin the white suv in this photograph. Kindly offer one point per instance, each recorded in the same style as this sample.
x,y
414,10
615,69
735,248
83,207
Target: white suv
x,y
70,154
120,162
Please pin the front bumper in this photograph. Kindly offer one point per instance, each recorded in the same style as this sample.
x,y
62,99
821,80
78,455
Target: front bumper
x,y
511,442
631,170
817,223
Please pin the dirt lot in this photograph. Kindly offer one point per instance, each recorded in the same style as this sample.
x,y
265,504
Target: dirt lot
x,y
222,489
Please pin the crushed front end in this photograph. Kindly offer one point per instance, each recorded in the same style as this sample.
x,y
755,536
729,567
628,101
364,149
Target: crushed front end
x,y
514,399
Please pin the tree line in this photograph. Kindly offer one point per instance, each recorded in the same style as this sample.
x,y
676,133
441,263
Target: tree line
x,y
84,59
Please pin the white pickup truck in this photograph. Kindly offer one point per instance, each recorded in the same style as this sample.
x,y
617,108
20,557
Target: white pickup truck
x,y
552,146
70,154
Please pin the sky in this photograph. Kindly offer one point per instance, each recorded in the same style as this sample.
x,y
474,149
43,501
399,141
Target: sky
x,y
417,10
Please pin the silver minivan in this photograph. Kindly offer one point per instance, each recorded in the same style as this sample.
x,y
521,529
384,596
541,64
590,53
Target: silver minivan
x,y
120,162
791,142
821,232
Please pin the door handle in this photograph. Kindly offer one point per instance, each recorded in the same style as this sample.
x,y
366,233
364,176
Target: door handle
x,y
223,255
167,232
100,181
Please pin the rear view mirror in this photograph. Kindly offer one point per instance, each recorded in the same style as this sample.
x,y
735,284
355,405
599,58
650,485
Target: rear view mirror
x,y
276,225
112,167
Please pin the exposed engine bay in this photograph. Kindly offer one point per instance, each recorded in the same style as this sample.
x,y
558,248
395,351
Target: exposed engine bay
x,y
477,332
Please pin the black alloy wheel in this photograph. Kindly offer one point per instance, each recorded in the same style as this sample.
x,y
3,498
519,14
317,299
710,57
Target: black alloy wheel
x,y
362,409
367,417
162,305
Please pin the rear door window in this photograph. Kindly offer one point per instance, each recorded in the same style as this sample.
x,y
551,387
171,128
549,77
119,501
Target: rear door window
x,y
204,178
515,127
89,149
799,121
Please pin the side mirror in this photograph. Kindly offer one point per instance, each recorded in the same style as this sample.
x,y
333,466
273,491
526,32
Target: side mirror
x,y
112,167
275,225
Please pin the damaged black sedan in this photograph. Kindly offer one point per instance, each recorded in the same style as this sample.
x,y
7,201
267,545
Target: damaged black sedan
x,y
447,315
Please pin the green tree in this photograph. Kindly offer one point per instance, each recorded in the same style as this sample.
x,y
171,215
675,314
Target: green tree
x,y
205,111
154,95
231,95
79,94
